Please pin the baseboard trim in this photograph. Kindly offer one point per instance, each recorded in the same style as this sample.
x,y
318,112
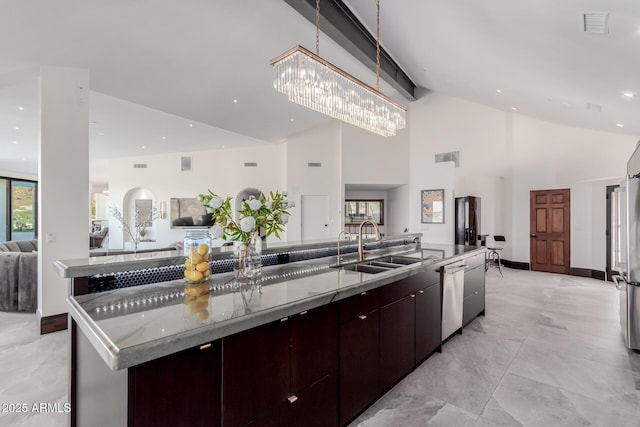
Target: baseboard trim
x,y
587,272
515,264
55,323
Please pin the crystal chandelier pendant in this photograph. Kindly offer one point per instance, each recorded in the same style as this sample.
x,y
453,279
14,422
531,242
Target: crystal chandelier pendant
x,y
309,80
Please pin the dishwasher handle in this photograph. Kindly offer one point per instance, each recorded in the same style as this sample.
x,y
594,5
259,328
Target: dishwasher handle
x,y
455,268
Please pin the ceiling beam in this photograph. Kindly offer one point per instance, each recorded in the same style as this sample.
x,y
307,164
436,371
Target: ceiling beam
x,y
339,23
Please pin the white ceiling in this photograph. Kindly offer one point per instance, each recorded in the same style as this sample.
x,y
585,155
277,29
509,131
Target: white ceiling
x,y
156,67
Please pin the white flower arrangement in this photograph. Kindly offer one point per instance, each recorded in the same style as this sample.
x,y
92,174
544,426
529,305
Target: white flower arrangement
x,y
268,214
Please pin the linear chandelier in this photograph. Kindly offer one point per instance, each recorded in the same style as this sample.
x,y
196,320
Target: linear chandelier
x,y
312,82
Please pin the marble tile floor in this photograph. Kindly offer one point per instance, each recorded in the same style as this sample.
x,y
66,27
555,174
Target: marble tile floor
x,y
549,352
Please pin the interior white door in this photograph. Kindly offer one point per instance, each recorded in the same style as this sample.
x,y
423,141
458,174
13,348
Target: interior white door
x,y
315,217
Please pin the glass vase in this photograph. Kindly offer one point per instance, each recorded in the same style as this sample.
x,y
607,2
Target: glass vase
x,y
247,258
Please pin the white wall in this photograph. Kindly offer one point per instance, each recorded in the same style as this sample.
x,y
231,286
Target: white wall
x,y
398,201
503,157
371,159
63,192
222,171
320,145
548,156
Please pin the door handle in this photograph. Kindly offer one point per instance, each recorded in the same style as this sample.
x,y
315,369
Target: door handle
x,y
533,235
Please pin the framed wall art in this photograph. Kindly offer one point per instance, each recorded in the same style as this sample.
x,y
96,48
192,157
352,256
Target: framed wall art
x,y
432,206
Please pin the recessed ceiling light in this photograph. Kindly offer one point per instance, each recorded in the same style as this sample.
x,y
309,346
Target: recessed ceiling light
x,y
14,142
144,147
235,101
16,128
291,119
628,94
498,90
21,108
190,125
164,137
620,125
514,108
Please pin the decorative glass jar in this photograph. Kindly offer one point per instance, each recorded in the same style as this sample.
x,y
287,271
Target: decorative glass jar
x,y
197,247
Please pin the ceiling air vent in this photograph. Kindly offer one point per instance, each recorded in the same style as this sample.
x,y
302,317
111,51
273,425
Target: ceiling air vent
x,y
139,165
452,156
185,163
594,22
314,164
250,164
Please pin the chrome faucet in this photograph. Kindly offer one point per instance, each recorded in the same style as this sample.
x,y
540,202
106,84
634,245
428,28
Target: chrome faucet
x,y
345,232
360,243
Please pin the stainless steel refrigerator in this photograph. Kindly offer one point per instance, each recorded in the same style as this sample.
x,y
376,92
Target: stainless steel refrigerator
x,y
627,248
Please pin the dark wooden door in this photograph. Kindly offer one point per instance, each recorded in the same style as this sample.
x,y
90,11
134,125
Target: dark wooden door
x,y
550,230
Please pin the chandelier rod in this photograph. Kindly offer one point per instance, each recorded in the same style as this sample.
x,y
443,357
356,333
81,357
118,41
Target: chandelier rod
x,y
377,45
318,27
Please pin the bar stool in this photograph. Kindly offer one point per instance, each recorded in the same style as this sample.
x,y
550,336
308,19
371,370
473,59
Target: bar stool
x,y
493,254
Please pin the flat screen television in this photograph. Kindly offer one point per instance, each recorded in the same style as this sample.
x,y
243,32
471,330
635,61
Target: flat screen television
x,y
188,213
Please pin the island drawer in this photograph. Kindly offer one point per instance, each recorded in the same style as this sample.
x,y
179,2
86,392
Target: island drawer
x,y
358,305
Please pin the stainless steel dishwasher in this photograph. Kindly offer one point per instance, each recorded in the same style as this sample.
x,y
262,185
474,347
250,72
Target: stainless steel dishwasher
x,y
452,297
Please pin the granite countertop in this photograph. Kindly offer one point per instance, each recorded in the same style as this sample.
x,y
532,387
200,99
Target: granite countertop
x,y
133,325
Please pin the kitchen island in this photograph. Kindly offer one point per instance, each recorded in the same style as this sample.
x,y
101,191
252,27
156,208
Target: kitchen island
x,y
310,344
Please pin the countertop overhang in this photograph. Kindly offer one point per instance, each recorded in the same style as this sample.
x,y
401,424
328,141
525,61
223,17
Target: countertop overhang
x,y
134,325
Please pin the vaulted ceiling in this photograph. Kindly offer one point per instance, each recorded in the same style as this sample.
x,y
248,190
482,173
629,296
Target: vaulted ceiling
x,y
197,73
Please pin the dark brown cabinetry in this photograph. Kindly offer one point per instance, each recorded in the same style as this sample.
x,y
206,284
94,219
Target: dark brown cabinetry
x,y
397,339
359,353
192,375
474,277
428,321
274,373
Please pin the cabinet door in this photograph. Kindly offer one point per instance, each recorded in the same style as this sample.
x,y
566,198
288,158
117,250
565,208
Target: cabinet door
x,y
359,364
473,280
473,305
316,406
397,340
428,321
314,346
256,373
180,389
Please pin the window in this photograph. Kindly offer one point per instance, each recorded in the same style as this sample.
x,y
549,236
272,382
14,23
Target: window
x,y
359,210
18,209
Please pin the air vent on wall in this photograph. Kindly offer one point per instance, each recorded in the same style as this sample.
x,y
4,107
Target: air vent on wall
x,y
452,156
594,22
314,164
185,163
250,164
139,165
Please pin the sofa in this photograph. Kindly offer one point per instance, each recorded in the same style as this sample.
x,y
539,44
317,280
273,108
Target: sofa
x,y
19,276
96,240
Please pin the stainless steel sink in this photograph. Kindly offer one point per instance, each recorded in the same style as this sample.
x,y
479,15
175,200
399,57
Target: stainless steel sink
x,y
365,268
380,265
397,260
